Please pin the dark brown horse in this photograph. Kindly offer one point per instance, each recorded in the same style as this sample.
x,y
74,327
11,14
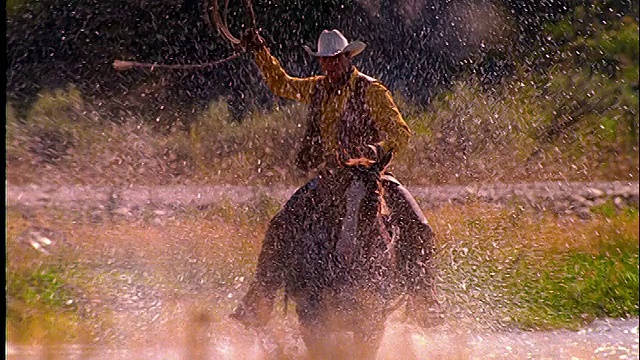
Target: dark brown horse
x,y
341,272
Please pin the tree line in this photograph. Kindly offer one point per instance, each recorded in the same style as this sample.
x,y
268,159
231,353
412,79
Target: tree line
x,y
416,47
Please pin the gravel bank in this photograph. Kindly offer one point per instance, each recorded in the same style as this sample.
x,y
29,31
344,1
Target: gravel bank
x,y
561,197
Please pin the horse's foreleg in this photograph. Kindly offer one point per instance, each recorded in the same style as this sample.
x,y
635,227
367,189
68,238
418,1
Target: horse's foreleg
x,y
320,342
417,274
367,341
414,255
256,306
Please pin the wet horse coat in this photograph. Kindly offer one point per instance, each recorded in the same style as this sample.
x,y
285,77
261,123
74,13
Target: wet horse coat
x,y
340,271
342,260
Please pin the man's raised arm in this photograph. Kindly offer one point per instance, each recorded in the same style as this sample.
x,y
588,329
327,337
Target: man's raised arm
x,y
277,79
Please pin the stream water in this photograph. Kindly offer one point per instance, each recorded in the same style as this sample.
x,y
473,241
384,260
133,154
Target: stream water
x,y
602,339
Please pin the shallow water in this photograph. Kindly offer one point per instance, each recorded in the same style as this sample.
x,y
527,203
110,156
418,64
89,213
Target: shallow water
x,y
602,339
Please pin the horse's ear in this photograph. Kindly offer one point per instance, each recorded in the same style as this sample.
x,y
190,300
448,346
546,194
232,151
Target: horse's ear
x,y
379,150
384,158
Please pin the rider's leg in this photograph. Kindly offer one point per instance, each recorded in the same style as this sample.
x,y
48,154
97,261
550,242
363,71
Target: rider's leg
x,y
415,249
255,307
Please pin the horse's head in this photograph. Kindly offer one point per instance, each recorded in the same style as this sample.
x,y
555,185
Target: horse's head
x,y
345,251
366,174
358,205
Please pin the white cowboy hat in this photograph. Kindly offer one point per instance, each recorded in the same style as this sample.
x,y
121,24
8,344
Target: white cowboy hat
x,y
332,42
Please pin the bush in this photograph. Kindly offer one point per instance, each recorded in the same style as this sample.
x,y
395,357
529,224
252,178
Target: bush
x,y
259,150
64,140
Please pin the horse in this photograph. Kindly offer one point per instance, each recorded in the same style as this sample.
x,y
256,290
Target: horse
x,y
340,273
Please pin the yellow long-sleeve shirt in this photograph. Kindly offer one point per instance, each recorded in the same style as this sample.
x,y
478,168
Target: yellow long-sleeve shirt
x,y
393,129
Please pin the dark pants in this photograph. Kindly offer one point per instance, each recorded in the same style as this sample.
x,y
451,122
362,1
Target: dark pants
x,y
414,251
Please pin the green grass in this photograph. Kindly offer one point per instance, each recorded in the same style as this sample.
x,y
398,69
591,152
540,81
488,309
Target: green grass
x,y
40,304
576,287
43,285
510,268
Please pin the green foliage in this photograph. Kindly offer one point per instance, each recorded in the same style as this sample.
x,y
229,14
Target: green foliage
x,y
572,114
611,49
64,131
14,130
507,269
578,105
44,285
561,31
15,7
574,287
41,304
258,150
57,124
588,38
621,43
60,110
209,124
608,209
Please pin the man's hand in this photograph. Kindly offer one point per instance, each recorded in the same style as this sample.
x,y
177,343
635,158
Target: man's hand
x,y
251,40
371,152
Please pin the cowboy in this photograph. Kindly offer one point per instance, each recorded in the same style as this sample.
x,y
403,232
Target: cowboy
x,y
348,112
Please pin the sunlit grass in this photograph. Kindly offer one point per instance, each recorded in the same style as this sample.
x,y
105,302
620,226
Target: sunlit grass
x,y
71,292
39,307
576,287
511,267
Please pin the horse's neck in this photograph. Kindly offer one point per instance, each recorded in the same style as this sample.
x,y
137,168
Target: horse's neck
x,y
361,222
